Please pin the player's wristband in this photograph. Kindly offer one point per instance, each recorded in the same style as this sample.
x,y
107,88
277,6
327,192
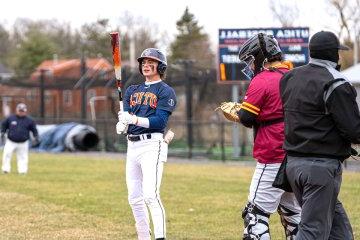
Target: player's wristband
x,y
142,122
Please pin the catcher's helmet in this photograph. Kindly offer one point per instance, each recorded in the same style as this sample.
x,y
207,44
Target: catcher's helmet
x,y
259,48
155,54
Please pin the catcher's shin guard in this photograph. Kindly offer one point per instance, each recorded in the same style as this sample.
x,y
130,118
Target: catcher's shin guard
x,y
256,223
289,220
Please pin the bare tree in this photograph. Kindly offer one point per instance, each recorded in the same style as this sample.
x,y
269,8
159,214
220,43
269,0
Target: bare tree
x,y
341,7
283,13
348,12
145,33
5,45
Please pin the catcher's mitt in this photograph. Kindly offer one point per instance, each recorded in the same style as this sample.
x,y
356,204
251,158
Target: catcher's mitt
x,y
230,109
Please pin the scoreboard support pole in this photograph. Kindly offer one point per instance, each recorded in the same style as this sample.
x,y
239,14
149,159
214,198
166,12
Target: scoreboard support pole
x,y
235,126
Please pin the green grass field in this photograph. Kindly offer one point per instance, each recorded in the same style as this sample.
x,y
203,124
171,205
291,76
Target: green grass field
x,y
81,196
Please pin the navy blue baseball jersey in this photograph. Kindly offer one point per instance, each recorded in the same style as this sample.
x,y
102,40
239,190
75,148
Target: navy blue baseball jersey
x,y
18,128
149,101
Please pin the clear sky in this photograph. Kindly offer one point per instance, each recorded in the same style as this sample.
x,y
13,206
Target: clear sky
x,y
210,14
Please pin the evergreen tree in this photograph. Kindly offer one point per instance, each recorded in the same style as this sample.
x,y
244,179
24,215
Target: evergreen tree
x,y
191,42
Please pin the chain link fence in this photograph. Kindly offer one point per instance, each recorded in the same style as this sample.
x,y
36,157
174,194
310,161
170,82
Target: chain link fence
x,y
211,140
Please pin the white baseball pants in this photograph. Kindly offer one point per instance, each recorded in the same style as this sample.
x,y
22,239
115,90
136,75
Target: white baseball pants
x,y
269,199
22,152
264,195
144,168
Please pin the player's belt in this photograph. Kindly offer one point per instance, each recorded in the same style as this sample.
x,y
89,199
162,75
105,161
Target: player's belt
x,y
139,137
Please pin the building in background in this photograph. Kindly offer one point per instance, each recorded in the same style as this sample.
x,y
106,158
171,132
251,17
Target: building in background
x,y
63,81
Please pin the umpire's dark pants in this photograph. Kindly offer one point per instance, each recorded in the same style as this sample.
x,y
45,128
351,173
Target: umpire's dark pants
x,y
316,184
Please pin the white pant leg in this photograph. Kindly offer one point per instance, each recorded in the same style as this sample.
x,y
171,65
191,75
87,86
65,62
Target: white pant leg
x,y
267,198
135,193
263,200
290,214
153,201
9,148
152,164
262,193
288,200
22,155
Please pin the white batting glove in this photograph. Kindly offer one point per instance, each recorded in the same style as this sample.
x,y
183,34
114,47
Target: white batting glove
x,y
121,128
127,118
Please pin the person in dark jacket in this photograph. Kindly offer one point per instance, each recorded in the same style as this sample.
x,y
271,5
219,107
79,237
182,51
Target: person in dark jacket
x,y
321,121
18,128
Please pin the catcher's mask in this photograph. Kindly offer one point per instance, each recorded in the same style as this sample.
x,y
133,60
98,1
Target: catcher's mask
x,y
155,54
247,67
257,50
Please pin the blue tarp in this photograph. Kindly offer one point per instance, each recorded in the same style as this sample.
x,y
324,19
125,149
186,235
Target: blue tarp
x,y
54,139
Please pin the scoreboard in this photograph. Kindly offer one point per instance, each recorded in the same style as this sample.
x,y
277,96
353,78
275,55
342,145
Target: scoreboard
x,y
293,43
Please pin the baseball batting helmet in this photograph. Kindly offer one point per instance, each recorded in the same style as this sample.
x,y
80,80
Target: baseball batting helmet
x,y
258,49
157,55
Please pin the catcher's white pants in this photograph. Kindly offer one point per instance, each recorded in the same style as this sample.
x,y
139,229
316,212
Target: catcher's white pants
x,y
22,151
268,198
264,195
144,168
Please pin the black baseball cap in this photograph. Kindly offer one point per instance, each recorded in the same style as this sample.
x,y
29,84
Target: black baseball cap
x,y
325,40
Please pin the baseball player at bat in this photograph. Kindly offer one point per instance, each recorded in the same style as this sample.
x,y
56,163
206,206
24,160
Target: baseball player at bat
x,y
262,110
147,108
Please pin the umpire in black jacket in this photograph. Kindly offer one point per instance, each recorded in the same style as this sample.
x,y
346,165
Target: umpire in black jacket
x,y
321,121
